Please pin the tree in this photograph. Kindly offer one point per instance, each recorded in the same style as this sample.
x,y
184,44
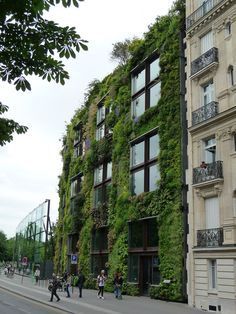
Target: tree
x,y
122,51
3,246
28,44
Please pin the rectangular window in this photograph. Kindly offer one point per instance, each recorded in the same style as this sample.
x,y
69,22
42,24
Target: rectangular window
x,y
98,262
76,185
143,163
136,234
206,42
100,114
98,197
208,93
154,146
146,86
138,106
133,268
137,154
154,176
155,94
100,239
137,182
102,183
98,175
100,132
138,81
210,150
109,170
212,274
154,69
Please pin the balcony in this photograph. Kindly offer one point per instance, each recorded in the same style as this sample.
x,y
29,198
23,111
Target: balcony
x,y
213,171
205,112
210,237
206,7
204,62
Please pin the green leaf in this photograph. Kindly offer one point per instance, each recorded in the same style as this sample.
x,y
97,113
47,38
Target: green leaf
x,y
83,46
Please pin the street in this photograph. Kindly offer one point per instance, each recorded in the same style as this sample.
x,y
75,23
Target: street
x,y
11,303
23,296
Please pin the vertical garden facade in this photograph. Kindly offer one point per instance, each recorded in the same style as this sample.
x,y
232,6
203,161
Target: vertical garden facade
x,y
120,188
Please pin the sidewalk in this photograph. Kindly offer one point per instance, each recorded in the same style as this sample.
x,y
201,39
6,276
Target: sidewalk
x,y
89,304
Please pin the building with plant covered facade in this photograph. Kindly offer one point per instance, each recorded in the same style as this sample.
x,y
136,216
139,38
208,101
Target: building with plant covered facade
x,y
121,188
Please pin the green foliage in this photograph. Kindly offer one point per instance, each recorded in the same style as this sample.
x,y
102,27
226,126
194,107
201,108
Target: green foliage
x,y
28,45
164,203
8,127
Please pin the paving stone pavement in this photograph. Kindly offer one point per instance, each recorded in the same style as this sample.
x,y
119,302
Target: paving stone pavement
x,y
89,303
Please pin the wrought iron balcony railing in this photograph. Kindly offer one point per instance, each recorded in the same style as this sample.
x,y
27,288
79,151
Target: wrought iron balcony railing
x,y
206,59
206,7
213,171
210,237
205,112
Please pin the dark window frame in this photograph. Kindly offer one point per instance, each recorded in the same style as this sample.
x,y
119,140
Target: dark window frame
x,y
103,184
79,179
148,83
78,141
145,236
147,162
102,122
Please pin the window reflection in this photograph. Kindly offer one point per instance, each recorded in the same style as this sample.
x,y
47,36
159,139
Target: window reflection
x,y
137,154
138,81
155,94
154,69
138,106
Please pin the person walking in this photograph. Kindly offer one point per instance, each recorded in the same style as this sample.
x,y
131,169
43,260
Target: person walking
x,y
37,275
54,288
80,282
68,284
101,278
118,282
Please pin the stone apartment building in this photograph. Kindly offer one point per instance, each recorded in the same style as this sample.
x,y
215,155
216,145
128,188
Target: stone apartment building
x,y
211,114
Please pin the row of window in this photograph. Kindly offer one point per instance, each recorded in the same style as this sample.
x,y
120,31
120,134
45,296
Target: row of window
x,y
144,171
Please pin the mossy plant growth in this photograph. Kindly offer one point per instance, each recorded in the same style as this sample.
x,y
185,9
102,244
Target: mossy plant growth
x,y
165,202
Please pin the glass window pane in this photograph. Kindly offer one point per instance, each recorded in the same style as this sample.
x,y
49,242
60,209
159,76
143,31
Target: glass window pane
x,y
98,175
138,81
156,278
107,192
133,268
154,147
137,154
138,106
154,69
100,132
109,170
98,197
137,182
100,114
154,176
152,233
136,234
155,94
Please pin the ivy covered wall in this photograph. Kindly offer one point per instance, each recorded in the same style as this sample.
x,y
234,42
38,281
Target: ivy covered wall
x,y
114,91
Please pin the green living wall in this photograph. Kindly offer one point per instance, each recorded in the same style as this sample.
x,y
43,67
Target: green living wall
x,y
165,202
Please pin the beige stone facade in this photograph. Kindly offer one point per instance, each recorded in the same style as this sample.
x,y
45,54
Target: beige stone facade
x,y
211,175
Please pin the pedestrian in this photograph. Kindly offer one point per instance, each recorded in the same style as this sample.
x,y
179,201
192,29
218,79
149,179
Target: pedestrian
x,y
54,288
80,282
118,282
68,284
101,278
37,275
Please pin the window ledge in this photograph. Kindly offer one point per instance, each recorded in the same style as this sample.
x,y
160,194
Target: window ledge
x,y
233,154
212,292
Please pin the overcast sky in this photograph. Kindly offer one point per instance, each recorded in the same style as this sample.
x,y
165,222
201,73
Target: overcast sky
x,y
31,164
